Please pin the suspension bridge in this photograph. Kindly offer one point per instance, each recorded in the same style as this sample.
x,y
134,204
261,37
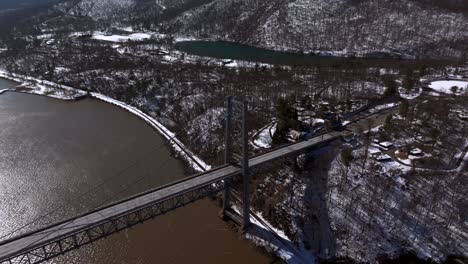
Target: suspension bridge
x,y
59,238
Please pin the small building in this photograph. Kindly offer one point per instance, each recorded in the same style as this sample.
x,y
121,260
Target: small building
x,y
383,158
416,152
386,145
374,152
376,141
425,139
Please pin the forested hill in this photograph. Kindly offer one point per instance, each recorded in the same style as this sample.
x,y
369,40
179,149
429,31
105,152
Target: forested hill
x,y
14,11
454,5
435,28
348,26
17,4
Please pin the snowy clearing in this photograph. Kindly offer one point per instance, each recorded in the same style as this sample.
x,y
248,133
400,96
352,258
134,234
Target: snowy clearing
x,y
409,95
124,38
184,38
41,87
446,86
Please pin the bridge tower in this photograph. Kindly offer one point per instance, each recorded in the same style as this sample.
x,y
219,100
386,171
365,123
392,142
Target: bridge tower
x,y
241,105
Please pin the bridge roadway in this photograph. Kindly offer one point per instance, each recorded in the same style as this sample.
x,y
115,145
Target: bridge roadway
x,y
54,240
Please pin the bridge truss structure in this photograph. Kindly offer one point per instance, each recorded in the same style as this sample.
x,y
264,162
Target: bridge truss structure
x,y
100,230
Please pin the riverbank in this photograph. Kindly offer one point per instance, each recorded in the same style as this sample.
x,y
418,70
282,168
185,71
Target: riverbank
x,y
45,88
195,162
35,86
234,53
72,155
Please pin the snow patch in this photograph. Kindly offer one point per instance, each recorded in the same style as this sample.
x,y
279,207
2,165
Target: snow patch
x,y
445,86
409,95
121,38
383,107
124,38
264,234
264,138
184,38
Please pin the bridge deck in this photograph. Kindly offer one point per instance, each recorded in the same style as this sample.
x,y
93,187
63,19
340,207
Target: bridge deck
x,y
31,241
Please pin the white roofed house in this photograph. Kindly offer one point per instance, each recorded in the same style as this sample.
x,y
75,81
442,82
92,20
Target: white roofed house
x,y
374,152
416,152
383,158
385,145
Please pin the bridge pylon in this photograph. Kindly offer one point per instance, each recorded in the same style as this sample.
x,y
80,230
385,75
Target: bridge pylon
x,y
232,103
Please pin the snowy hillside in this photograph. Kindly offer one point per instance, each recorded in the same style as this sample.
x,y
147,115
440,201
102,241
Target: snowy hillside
x,y
111,10
98,9
115,9
343,27
338,25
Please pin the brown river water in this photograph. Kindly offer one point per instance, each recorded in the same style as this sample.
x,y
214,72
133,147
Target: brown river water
x,y
58,159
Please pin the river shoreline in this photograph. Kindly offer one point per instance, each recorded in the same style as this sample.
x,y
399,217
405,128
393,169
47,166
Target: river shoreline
x,y
35,86
72,156
30,85
232,53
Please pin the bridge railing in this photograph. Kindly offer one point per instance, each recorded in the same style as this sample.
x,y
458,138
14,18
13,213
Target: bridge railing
x,y
38,253
108,206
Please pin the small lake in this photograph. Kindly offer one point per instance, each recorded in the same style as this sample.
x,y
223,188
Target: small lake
x,y
236,51
60,158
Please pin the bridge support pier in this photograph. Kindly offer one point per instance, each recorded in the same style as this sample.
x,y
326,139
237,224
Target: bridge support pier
x,y
227,153
245,170
244,161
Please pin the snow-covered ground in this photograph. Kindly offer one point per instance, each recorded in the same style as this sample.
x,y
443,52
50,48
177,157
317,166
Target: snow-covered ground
x,y
202,128
326,28
61,69
446,86
41,87
184,38
124,38
409,161
382,107
263,234
264,138
409,95
373,212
